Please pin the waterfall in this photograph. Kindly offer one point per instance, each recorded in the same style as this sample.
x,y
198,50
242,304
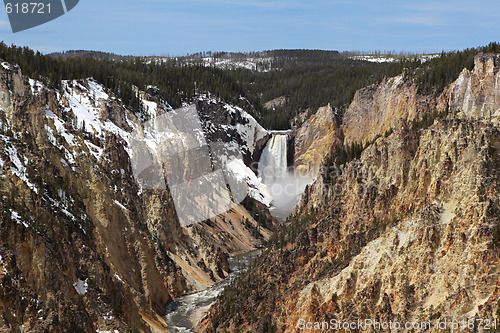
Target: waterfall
x,y
273,161
285,185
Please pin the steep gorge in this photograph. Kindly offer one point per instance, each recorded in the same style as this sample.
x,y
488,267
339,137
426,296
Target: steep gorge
x,y
405,233
83,247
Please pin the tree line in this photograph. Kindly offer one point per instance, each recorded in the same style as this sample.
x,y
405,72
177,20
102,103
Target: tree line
x,y
173,85
308,78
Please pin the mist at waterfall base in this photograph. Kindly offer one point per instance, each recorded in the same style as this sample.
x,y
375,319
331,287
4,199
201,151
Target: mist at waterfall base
x,y
285,184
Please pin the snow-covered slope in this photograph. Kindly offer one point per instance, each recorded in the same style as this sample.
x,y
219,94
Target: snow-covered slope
x,y
79,233
394,58
231,132
257,64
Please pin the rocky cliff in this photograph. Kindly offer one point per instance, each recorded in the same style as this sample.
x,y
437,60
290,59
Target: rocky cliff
x,y
314,140
379,108
396,101
82,246
476,94
407,233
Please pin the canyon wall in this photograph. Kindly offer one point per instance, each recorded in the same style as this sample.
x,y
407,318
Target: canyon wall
x,y
476,93
82,246
409,232
379,108
314,140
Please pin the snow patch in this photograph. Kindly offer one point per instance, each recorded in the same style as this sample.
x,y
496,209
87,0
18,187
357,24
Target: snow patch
x,y
83,103
16,217
59,125
82,106
97,90
256,189
36,86
120,205
19,169
93,149
150,107
81,286
252,131
388,58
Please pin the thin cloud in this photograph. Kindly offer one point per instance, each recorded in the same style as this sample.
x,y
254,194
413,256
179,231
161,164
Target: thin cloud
x,y
419,19
456,7
263,5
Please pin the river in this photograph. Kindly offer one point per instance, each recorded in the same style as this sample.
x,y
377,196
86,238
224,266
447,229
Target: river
x,y
186,312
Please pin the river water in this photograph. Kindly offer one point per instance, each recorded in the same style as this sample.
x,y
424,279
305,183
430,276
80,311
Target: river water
x,y
186,312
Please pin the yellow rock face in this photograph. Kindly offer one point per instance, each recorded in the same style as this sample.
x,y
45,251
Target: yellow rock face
x,y
378,108
476,94
314,140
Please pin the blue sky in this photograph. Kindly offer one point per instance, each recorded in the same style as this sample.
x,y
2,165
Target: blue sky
x,y
167,27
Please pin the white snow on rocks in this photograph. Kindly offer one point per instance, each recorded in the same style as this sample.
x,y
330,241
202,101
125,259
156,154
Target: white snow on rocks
x,y
120,205
81,286
36,86
16,217
59,125
118,278
256,189
150,107
394,58
18,169
250,130
250,63
97,90
85,98
93,149
82,104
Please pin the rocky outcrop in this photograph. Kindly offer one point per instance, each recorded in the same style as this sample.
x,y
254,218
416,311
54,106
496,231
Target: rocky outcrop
x,y
422,209
476,94
379,108
274,103
314,140
406,233
82,246
395,102
233,126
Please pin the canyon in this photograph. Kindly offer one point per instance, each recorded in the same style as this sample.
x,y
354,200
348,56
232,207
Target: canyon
x,y
407,232
84,246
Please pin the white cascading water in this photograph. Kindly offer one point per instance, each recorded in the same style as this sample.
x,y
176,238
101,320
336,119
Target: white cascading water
x,y
285,185
273,161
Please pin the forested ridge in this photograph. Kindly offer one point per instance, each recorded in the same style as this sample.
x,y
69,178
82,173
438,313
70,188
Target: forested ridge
x,y
172,84
309,85
307,78
435,75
